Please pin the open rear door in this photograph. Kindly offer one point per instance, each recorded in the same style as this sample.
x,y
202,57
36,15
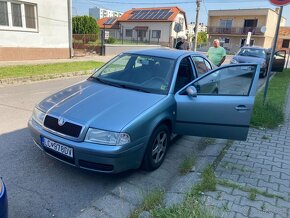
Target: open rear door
x,y
279,61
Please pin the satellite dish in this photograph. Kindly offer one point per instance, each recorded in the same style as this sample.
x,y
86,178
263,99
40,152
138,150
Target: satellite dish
x,y
177,27
263,29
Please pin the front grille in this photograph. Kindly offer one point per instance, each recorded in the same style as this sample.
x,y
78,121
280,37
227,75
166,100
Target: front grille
x,y
59,156
67,128
96,166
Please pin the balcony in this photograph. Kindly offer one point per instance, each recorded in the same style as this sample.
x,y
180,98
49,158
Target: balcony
x,y
235,30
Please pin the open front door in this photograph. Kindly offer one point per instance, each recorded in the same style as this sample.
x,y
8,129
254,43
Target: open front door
x,y
279,61
223,104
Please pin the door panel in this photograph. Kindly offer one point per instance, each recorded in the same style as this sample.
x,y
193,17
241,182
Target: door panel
x,y
279,61
223,106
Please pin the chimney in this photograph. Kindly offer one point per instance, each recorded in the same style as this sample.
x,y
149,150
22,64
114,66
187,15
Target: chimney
x,y
277,10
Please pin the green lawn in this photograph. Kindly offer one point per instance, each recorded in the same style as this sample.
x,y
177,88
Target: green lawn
x,y
271,114
47,69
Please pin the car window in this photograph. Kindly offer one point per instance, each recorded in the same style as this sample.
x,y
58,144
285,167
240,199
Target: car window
x,y
202,66
252,52
184,75
231,80
140,72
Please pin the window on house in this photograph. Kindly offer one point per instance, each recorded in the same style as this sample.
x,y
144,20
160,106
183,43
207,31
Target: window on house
x,y
129,33
22,15
3,14
156,34
16,15
227,40
226,23
286,43
30,16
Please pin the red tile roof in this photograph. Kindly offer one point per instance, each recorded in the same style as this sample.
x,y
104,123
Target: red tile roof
x,y
114,25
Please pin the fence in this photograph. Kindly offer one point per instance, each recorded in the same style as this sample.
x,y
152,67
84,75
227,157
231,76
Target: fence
x,y
86,44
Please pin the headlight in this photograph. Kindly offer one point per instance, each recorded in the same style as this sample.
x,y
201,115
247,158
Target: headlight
x,y
106,137
234,61
38,116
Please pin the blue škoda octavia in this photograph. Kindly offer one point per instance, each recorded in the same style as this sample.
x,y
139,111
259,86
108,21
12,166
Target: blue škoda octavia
x,y
122,116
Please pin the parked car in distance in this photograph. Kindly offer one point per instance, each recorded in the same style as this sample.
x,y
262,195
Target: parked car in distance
x,y
122,117
3,201
260,56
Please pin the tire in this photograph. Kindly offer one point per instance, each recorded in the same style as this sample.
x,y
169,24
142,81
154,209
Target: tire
x,y
264,74
156,148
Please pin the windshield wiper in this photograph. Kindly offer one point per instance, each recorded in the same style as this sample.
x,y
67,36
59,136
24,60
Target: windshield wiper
x,y
135,88
106,82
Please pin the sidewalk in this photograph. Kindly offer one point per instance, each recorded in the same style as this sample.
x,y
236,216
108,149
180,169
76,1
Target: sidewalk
x,y
262,165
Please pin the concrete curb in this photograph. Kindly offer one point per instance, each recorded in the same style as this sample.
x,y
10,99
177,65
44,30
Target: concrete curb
x,y
25,80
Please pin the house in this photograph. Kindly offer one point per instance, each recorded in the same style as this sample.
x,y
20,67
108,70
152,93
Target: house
x,y
34,29
111,26
283,42
99,13
232,27
153,25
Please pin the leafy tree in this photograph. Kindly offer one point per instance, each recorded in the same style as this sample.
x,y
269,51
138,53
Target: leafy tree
x,y
85,25
202,38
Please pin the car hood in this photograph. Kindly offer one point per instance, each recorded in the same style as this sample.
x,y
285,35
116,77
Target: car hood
x,y
98,105
248,59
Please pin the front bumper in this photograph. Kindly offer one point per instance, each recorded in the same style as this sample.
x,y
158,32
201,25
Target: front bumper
x,y
3,202
90,156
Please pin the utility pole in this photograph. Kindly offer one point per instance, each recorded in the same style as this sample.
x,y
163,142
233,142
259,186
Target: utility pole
x,y
196,23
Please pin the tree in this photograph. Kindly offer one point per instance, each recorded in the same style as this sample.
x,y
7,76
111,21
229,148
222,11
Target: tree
x,y
202,38
85,25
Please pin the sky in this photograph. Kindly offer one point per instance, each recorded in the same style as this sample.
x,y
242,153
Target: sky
x,y
81,7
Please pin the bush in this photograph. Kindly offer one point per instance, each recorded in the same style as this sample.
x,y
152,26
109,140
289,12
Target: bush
x,y
85,25
111,40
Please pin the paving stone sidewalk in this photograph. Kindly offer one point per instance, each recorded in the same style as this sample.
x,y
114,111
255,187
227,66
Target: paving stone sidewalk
x,y
261,164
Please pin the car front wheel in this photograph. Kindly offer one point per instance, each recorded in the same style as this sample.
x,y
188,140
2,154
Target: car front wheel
x,y
156,149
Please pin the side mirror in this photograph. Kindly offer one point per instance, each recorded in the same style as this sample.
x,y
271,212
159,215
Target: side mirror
x,y
191,91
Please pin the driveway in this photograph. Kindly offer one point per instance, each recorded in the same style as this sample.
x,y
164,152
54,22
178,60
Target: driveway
x,y
39,186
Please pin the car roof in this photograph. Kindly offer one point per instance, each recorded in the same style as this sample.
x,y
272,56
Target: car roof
x,y
255,47
163,53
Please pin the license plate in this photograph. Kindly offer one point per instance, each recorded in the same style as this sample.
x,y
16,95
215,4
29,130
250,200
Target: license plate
x,y
65,150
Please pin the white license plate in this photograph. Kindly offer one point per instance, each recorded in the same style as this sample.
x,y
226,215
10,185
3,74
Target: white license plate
x,y
65,150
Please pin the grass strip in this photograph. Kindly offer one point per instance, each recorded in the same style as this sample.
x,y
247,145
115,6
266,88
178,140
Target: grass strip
x,y
47,69
271,114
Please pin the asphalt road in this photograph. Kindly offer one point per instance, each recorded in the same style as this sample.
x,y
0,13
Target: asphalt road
x,y
39,186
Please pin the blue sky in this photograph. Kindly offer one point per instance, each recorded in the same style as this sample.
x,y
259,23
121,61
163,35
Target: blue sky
x,y
81,7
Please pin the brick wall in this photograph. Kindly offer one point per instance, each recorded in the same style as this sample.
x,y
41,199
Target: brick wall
x,y
284,34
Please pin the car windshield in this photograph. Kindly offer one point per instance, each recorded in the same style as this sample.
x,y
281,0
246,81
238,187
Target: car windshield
x,y
259,53
138,72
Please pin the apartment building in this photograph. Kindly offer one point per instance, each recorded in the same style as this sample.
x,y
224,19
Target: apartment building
x,y
232,27
99,13
34,29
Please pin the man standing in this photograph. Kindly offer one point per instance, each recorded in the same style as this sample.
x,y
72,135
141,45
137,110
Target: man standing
x,y
217,54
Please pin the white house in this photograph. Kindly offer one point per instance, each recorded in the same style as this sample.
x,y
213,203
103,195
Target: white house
x,y
154,25
34,29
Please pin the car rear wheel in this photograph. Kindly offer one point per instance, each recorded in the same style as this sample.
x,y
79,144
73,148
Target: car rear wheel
x,y
264,74
157,148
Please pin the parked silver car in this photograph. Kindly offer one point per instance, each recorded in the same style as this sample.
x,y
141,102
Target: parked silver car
x,y
122,116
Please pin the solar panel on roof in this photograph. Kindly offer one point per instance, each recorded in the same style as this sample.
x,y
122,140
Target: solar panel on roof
x,y
151,14
110,21
168,15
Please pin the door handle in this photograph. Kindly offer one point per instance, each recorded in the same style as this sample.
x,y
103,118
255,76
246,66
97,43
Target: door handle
x,y
241,108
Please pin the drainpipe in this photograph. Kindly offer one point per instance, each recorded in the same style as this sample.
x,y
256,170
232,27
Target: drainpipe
x,y
69,12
